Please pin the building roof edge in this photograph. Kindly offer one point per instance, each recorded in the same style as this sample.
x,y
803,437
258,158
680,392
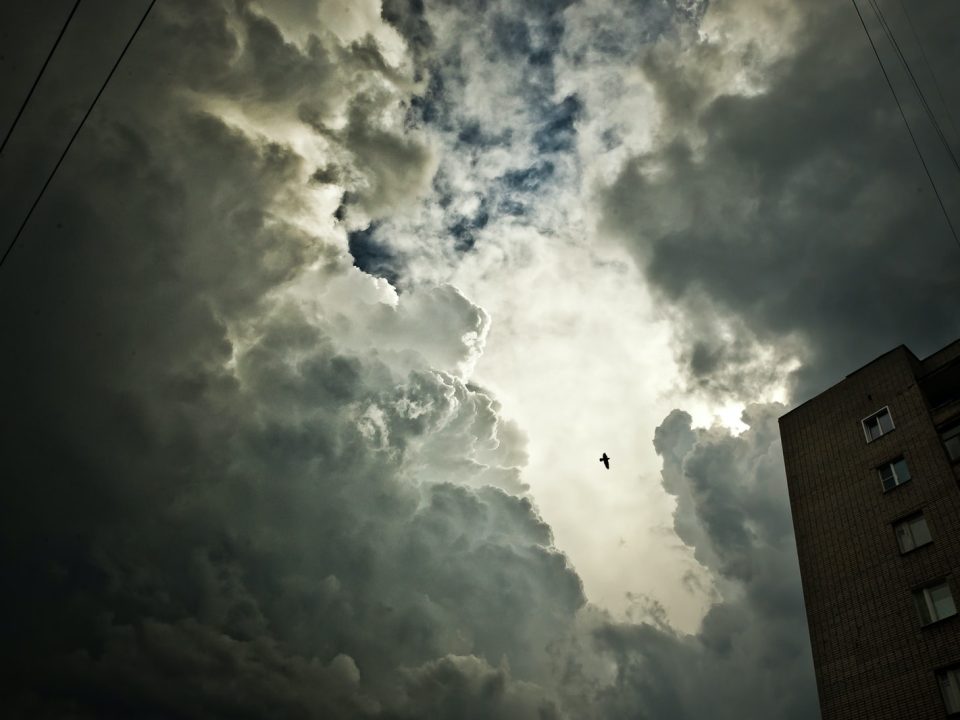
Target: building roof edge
x,y
854,372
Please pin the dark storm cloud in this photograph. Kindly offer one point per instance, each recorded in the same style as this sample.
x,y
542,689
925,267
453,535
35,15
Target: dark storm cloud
x,y
393,165
751,656
803,217
211,508
727,488
224,499
466,687
328,175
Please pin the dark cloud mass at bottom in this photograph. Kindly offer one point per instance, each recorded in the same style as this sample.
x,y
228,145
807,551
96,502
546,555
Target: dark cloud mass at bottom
x,y
214,507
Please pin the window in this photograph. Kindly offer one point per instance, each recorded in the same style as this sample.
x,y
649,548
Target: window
x,y
934,602
950,688
880,423
912,532
951,441
893,474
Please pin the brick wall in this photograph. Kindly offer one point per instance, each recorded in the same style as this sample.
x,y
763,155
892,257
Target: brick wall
x,y
872,657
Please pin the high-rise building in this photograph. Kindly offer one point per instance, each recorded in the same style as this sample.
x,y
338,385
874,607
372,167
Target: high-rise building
x,y
873,472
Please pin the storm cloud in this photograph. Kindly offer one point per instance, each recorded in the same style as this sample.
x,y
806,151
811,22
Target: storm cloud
x,y
751,655
793,211
262,438
219,500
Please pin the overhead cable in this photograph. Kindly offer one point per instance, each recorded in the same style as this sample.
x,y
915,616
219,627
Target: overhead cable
x,y
916,85
75,133
933,75
905,122
36,80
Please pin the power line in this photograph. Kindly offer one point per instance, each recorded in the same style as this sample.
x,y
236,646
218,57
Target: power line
x,y
916,85
75,133
36,80
909,130
933,75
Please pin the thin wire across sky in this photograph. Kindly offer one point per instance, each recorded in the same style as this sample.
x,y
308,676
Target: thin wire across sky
x,y
919,90
83,120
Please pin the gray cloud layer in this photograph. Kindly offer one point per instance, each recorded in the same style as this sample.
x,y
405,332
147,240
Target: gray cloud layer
x,y
800,214
237,486
752,656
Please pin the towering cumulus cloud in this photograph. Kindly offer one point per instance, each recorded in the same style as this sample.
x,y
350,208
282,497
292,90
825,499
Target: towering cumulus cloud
x,y
241,477
253,462
732,507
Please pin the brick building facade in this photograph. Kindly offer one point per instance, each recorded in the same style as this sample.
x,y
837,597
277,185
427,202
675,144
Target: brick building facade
x,y
873,472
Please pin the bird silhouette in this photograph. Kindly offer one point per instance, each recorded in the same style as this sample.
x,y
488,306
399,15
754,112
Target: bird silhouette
x,y
606,461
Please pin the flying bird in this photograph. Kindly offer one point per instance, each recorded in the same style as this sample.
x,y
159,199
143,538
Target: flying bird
x,y
606,461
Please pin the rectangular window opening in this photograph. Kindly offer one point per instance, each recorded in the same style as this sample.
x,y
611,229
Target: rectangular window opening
x,y
893,473
934,602
912,532
949,680
878,424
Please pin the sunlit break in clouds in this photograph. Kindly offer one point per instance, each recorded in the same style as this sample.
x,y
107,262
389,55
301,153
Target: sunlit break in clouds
x,y
312,346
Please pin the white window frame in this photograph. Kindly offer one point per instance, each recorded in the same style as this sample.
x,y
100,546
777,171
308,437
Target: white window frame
x,y
928,610
896,476
877,414
909,522
949,681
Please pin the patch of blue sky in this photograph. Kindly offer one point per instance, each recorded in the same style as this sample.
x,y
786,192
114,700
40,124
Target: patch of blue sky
x,y
374,257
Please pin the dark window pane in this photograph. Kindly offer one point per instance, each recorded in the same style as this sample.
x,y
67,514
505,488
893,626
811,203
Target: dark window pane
x,y
903,537
953,447
885,422
920,531
950,687
942,601
903,472
887,477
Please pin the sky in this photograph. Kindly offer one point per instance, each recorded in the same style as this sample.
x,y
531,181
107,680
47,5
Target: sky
x,y
312,345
